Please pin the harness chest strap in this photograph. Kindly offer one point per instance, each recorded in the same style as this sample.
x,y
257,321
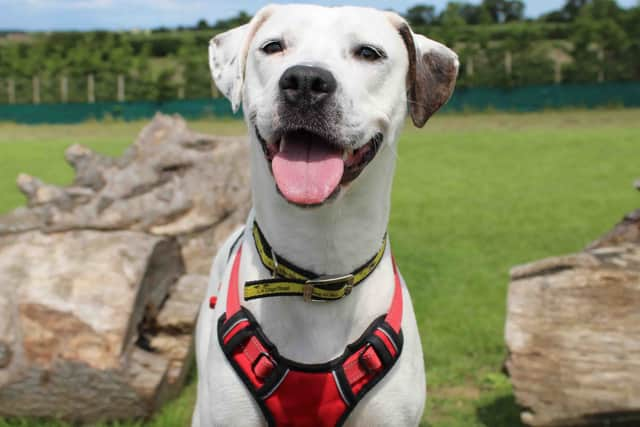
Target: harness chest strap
x,y
286,391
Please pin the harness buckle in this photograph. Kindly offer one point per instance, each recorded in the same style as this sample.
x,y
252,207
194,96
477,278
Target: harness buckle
x,y
369,360
322,281
263,365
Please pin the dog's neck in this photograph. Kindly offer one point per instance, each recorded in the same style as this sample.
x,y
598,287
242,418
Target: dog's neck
x,y
335,238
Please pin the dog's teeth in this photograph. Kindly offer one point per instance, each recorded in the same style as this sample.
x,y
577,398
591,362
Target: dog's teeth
x,y
345,155
283,143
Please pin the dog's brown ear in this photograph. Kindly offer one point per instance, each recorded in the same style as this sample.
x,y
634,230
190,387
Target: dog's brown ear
x,y
228,56
433,70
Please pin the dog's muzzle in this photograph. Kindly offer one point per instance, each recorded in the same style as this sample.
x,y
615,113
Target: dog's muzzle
x,y
309,161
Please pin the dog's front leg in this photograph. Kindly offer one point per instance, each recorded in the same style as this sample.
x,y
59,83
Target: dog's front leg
x,y
209,410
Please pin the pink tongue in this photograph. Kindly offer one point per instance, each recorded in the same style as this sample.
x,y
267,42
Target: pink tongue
x,y
308,170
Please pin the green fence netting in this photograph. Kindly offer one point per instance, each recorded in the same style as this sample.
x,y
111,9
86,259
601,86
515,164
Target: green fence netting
x,y
530,98
536,98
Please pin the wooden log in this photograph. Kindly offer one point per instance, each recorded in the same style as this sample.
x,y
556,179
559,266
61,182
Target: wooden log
x,y
171,181
573,334
101,281
70,319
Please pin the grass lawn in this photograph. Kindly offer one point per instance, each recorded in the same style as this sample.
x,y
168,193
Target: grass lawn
x,y
474,195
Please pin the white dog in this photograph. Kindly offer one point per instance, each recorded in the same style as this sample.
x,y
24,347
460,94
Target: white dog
x,y
306,327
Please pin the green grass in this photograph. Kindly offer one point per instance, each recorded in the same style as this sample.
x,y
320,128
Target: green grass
x,y
473,196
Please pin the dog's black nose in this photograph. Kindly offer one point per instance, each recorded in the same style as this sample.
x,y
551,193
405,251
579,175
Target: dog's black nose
x,y
307,85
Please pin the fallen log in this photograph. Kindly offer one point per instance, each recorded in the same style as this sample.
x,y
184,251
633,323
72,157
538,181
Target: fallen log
x,y
573,334
101,281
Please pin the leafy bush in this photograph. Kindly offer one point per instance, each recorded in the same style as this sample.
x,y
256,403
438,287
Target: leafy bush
x,y
601,39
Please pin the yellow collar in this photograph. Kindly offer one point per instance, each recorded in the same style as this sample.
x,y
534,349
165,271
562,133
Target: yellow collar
x,y
288,279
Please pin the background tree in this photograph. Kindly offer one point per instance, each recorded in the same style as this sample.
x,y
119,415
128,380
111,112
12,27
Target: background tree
x,y
631,24
600,41
195,74
452,15
601,47
141,75
226,24
421,14
202,25
475,14
504,10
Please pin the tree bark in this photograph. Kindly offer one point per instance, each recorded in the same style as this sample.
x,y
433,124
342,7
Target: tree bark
x,y
573,334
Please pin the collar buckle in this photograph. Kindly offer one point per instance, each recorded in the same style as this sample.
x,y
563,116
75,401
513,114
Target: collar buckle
x,y
327,281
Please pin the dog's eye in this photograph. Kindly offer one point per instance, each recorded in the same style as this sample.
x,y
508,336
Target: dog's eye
x,y
272,47
369,53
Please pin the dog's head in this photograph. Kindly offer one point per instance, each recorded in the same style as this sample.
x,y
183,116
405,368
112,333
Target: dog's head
x,y
326,89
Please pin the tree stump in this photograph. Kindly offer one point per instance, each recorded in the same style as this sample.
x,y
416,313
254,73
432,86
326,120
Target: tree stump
x,y
573,334
101,281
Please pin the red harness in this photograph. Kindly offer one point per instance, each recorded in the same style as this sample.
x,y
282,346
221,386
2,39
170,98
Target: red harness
x,y
292,394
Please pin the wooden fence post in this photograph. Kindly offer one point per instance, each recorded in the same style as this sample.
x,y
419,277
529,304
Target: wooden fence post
x,y
64,89
35,82
470,69
91,90
557,68
181,92
601,64
508,63
121,88
11,91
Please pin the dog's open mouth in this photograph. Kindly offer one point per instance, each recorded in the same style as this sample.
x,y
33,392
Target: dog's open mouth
x,y
309,169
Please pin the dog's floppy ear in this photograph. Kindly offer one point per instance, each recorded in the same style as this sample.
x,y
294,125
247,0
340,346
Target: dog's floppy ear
x,y
433,70
228,56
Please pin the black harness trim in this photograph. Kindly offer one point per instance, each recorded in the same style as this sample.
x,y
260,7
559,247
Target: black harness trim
x,y
284,365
